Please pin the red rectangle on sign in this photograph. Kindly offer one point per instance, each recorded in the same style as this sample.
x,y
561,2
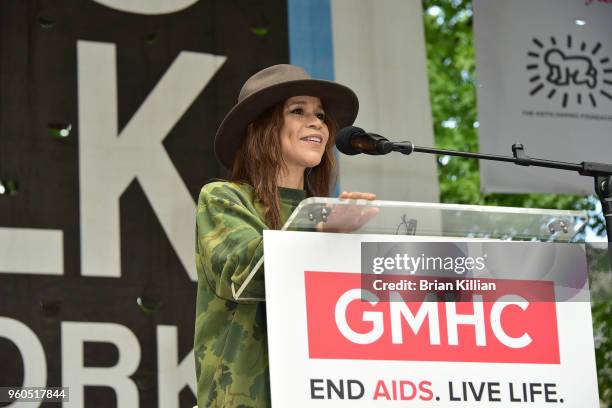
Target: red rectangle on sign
x,y
507,326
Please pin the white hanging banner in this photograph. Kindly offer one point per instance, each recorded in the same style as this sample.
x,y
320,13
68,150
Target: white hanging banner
x,y
545,80
379,51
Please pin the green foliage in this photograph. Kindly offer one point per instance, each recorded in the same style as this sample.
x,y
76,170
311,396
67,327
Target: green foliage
x,y
602,327
451,69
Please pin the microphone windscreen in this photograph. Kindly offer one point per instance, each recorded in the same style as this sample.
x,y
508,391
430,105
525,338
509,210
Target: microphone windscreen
x,y
343,140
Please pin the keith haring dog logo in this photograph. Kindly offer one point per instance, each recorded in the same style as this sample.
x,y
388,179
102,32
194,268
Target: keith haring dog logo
x,y
570,73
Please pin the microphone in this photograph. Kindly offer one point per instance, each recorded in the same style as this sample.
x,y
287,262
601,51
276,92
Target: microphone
x,y
352,140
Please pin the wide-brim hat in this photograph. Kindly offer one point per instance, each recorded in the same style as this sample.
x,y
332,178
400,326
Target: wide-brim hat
x,y
270,86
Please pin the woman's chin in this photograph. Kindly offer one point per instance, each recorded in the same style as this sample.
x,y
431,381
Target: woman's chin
x,y
312,163
311,159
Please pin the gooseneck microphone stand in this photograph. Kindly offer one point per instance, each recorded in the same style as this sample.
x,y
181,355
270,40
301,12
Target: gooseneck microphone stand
x,y
601,172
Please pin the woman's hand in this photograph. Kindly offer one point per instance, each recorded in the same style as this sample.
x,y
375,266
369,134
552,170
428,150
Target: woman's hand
x,y
348,217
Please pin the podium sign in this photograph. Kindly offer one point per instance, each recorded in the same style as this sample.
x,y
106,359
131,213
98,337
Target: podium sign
x,y
517,333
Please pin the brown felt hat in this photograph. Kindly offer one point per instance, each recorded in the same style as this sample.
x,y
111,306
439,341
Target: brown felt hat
x,y
270,86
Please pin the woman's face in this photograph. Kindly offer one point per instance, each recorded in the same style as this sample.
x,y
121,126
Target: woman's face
x,y
304,134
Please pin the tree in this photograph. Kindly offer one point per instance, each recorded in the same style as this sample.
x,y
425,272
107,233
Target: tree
x,y
451,69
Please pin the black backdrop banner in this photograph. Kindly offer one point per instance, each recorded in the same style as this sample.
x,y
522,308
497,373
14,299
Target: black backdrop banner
x,y
107,121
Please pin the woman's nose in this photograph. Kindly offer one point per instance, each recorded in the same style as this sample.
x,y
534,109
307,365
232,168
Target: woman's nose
x,y
314,121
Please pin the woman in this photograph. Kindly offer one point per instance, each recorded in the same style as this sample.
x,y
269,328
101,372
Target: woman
x,y
277,141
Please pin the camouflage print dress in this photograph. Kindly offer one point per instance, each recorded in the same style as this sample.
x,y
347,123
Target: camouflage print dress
x,y
230,343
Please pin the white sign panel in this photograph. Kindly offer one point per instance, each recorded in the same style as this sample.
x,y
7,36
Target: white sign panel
x,y
379,51
329,348
544,72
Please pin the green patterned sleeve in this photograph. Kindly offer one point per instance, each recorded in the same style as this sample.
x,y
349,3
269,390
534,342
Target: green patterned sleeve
x,y
229,241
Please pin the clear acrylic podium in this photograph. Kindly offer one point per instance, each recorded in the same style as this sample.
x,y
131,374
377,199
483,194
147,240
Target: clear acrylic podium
x,y
438,220
336,309
447,220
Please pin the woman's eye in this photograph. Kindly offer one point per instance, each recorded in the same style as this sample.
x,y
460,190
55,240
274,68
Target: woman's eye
x,y
297,111
321,116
